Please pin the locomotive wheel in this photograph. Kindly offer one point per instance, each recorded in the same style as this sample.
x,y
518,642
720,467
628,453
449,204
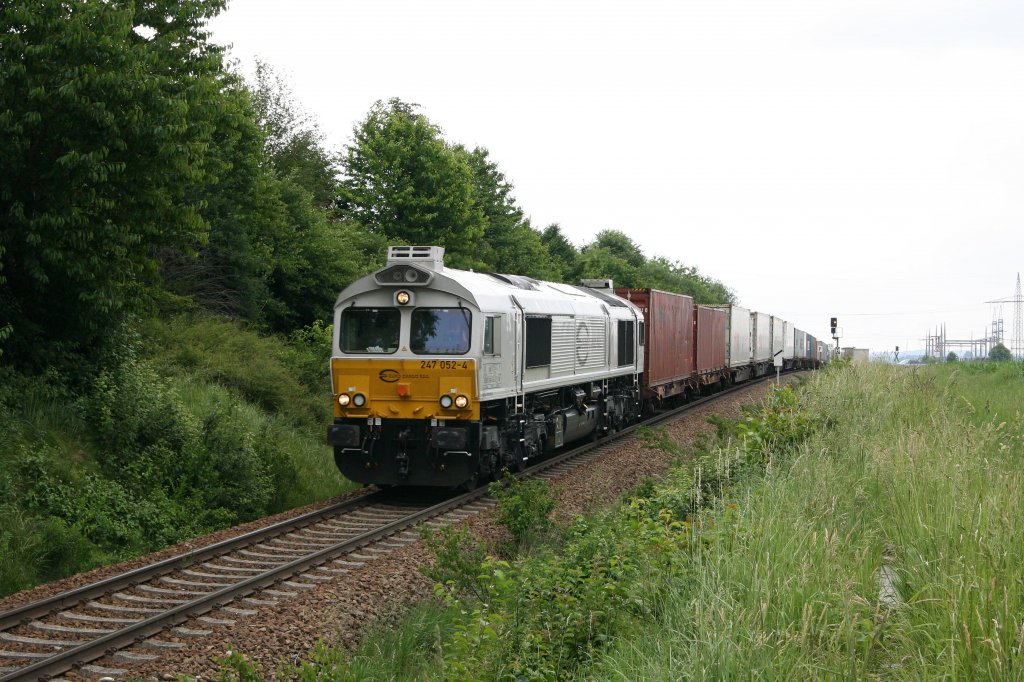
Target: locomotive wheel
x,y
472,482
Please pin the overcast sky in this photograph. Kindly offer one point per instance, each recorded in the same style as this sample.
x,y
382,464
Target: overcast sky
x,y
863,159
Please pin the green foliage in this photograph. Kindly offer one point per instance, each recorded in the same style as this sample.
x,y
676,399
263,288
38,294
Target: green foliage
x,y
661,273
1000,353
404,181
162,446
658,439
523,508
544,617
508,244
457,561
614,255
293,141
291,379
564,255
106,135
236,667
917,476
951,357
410,652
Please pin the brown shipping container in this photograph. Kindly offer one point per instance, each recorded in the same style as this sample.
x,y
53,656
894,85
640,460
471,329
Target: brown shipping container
x,y
668,338
710,343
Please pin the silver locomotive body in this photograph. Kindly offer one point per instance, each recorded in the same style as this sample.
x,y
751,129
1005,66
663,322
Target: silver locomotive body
x,y
442,377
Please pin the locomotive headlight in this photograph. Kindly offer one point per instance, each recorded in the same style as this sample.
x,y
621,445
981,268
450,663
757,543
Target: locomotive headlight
x,y
344,399
461,401
359,400
411,275
446,401
403,297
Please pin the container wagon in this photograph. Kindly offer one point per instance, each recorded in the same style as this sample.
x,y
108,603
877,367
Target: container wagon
x,y
778,337
761,342
787,345
737,341
668,342
799,349
709,333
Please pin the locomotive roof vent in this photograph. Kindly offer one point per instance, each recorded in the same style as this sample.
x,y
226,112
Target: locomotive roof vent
x,y
427,257
597,283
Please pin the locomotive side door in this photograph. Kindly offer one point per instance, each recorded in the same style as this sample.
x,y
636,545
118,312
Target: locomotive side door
x,y
518,320
495,367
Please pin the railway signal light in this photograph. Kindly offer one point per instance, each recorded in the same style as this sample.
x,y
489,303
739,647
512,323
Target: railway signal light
x,y
835,323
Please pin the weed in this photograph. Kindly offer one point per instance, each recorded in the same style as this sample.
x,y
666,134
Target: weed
x,y
523,508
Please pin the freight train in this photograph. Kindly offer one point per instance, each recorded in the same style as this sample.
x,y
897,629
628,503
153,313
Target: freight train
x,y
445,377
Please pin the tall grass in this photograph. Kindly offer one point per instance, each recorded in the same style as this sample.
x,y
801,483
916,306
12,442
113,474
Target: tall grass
x,y
888,545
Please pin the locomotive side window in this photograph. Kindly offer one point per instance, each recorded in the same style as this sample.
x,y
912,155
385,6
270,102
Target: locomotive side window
x,y
641,332
440,331
492,342
626,342
538,341
369,330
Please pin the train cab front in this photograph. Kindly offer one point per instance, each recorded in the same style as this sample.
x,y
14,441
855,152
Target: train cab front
x,y
404,384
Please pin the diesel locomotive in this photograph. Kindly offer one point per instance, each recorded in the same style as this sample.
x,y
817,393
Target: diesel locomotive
x,y
444,377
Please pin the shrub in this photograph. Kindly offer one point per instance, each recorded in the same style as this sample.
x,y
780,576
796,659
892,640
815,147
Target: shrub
x,y
523,508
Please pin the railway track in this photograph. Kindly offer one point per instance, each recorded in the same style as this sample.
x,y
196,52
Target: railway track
x,y
131,618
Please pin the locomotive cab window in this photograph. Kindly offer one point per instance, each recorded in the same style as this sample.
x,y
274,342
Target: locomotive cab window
x,y
538,341
626,343
440,331
369,330
641,338
492,339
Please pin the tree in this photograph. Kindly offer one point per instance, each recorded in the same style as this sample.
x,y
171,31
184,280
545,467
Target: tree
x,y
509,244
613,255
405,182
951,357
564,256
1000,353
105,135
293,142
661,273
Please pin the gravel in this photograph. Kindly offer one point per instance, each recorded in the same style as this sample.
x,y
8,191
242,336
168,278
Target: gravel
x,y
340,611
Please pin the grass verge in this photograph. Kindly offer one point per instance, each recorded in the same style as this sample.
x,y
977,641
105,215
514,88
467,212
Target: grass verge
x,y
866,526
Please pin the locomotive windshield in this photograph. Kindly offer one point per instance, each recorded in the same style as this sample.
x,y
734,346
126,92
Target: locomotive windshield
x,y
440,331
369,330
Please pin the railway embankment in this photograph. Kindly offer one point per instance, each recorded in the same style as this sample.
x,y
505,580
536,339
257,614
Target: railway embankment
x,y
534,567
865,525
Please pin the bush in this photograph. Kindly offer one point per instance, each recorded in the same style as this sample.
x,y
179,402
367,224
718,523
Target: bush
x,y
523,508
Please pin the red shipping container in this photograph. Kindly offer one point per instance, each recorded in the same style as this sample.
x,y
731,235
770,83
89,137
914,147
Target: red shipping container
x,y
709,345
668,339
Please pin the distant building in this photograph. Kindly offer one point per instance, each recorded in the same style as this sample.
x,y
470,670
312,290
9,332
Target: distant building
x,y
856,354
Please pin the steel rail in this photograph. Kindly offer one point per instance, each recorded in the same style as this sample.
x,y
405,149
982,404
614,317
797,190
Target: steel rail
x,y
81,655
65,600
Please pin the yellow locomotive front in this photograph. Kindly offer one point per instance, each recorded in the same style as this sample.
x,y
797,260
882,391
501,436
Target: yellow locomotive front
x,y
404,376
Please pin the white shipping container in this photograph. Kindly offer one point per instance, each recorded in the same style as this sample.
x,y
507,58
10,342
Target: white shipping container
x,y
778,336
787,341
737,335
761,336
799,344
